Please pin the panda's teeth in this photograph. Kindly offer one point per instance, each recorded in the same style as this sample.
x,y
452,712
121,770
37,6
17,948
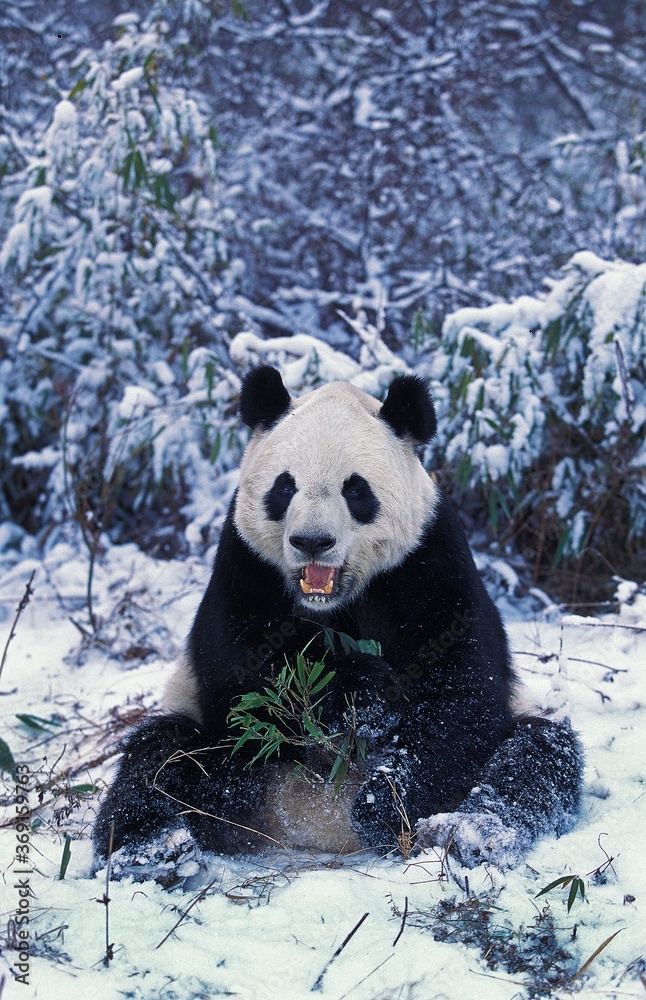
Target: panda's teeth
x,y
310,588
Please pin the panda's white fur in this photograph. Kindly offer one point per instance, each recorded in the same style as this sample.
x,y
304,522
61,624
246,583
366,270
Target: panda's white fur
x,y
299,813
181,694
329,435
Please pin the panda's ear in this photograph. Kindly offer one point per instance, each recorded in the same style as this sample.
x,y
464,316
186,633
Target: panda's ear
x,y
263,397
409,409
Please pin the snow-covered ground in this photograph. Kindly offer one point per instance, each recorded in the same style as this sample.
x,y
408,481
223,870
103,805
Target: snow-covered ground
x,y
268,926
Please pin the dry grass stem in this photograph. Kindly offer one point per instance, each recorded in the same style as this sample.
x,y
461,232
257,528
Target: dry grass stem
x,y
24,601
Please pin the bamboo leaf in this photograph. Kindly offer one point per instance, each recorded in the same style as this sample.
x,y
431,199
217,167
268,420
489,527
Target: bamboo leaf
x,y
348,644
249,735
300,666
309,727
328,635
271,748
562,545
86,789
140,168
578,886
323,682
564,880
7,762
594,954
315,671
370,646
77,89
335,767
341,773
67,854
126,169
36,722
493,511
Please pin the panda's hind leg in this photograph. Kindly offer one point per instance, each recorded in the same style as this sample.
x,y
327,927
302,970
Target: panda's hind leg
x,y
529,788
172,779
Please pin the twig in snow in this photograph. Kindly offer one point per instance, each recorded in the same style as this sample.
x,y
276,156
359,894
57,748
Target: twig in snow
x,y
319,982
376,969
24,601
109,948
579,620
404,915
201,894
607,863
597,663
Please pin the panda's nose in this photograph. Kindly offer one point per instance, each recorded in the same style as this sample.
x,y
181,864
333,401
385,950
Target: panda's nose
x,y
312,545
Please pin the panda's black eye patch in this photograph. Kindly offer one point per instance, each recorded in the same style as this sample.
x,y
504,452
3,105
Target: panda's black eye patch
x,y
279,497
361,501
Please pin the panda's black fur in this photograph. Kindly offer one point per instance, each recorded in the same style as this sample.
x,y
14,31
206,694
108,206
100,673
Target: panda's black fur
x,y
444,745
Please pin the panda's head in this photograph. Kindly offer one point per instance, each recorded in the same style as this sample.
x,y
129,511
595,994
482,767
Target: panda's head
x,y
331,489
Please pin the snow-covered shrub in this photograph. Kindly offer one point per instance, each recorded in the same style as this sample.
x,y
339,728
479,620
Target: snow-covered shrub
x,y
113,264
631,218
543,411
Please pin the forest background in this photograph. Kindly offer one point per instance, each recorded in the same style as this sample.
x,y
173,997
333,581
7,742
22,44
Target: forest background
x,y
175,174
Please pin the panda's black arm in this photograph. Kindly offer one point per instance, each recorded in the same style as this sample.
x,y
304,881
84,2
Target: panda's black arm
x,y
432,760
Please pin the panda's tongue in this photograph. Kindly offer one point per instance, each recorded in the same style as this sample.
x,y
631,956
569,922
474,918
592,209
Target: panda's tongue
x,y
317,579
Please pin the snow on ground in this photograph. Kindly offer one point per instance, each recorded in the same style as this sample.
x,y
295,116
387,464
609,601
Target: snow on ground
x,y
269,925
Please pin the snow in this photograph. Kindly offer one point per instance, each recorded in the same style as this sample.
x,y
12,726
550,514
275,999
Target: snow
x,y
16,246
366,110
62,136
497,459
44,459
268,925
128,79
504,365
249,348
592,28
136,400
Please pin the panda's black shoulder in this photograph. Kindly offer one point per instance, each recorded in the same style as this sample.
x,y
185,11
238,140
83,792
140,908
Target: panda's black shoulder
x,y
436,588
456,580
444,548
243,591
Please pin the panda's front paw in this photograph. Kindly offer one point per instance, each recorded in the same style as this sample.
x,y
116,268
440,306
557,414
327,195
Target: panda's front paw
x,y
364,694
379,812
172,859
472,838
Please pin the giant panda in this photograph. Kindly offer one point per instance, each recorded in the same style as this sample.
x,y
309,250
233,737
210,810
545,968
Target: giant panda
x,y
337,529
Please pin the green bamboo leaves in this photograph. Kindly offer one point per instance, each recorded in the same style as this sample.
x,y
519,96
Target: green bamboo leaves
x,y
289,712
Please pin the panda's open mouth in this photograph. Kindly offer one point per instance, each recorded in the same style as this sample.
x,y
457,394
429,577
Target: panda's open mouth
x,y
319,583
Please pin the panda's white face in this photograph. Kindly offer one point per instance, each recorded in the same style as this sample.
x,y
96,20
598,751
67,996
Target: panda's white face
x,y
331,496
